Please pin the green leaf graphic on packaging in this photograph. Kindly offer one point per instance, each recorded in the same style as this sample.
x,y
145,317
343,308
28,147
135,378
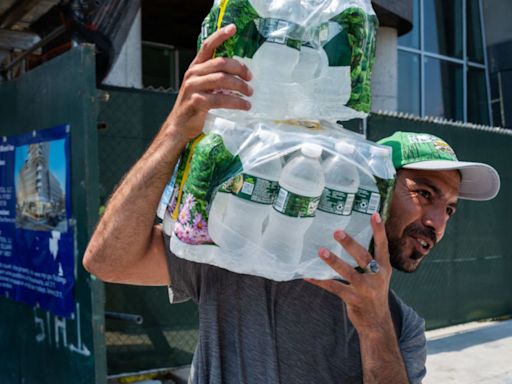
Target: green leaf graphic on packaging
x,y
209,155
336,45
246,41
361,29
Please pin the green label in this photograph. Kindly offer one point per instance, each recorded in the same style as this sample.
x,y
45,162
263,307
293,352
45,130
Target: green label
x,y
366,202
251,188
280,32
336,202
294,205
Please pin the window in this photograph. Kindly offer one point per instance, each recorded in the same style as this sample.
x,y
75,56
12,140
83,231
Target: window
x,y
442,67
443,89
412,39
478,110
443,27
474,37
163,66
409,82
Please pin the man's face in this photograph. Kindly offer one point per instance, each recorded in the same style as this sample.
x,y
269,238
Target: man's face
x,y
422,204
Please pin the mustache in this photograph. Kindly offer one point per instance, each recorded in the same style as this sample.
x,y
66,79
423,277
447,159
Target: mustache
x,y
414,229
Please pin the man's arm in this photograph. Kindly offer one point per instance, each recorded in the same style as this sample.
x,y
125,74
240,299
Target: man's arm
x,y
366,297
126,247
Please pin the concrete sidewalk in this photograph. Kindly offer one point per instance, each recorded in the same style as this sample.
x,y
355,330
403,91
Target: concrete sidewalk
x,y
479,352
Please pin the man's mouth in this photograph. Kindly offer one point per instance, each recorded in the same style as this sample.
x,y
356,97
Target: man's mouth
x,y
422,245
423,238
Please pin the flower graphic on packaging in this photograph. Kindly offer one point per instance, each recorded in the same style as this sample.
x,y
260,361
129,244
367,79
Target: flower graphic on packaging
x,y
191,226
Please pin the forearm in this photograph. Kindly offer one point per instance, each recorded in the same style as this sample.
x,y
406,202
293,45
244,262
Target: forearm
x,y
380,353
126,246
124,234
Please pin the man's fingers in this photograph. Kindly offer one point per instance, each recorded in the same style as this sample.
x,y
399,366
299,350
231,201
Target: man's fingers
x,y
354,249
221,64
345,270
213,42
380,240
338,288
217,81
227,101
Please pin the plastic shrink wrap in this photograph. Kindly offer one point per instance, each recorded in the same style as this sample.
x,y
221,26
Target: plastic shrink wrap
x,y
260,191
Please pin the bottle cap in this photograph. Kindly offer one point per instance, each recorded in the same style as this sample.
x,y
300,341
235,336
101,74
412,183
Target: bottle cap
x,y
344,148
311,150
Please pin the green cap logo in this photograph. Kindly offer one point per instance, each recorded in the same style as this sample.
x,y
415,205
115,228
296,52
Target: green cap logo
x,y
410,147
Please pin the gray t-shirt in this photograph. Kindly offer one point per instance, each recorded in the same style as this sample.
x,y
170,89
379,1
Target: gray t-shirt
x,y
254,330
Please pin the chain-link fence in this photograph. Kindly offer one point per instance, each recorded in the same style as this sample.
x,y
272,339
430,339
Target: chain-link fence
x,y
143,330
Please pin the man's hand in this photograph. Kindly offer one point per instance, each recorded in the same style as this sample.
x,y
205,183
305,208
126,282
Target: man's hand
x,y
366,298
365,294
209,83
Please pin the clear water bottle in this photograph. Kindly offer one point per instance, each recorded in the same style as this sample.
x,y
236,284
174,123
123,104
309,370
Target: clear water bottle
x,y
333,85
335,207
249,194
232,137
272,66
312,58
367,200
300,187
248,201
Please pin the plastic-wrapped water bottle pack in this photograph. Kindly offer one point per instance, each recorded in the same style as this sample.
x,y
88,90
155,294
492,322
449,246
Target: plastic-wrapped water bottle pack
x,y
310,59
261,197
260,191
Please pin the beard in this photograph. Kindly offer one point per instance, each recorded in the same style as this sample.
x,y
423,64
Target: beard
x,y
398,257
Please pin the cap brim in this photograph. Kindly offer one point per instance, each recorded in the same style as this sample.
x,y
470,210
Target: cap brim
x,y
479,181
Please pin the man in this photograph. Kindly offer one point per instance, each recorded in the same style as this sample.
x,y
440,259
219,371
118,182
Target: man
x,y
254,330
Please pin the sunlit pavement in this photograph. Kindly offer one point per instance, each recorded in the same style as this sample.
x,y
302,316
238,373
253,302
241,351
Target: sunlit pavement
x,y
470,353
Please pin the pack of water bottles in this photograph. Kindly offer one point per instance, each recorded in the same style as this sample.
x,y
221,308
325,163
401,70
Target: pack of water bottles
x,y
310,59
261,197
261,191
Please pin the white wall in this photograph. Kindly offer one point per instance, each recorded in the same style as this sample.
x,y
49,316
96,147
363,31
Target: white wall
x,y
385,71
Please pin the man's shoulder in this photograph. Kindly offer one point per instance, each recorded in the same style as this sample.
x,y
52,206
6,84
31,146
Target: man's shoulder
x,y
399,304
406,319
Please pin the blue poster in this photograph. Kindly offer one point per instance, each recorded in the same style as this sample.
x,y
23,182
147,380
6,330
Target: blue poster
x,y
36,238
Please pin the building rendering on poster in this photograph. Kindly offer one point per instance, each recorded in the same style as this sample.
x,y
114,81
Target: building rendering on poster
x,y
36,240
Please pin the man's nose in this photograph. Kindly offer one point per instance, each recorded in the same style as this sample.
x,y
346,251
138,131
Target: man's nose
x,y
436,219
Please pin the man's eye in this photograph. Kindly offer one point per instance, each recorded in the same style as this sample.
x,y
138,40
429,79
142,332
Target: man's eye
x,y
425,194
450,211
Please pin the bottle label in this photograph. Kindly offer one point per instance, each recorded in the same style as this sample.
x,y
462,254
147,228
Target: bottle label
x,y
336,202
293,205
366,202
280,31
251,188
